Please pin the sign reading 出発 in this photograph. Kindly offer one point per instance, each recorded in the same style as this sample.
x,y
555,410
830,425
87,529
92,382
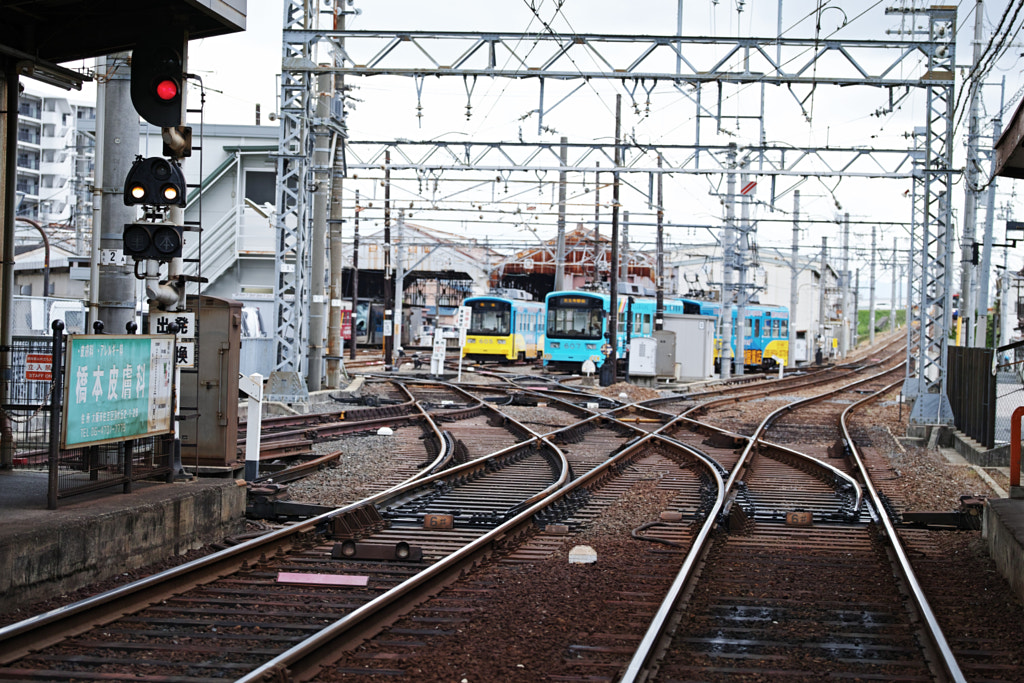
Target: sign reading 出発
x,y
117,387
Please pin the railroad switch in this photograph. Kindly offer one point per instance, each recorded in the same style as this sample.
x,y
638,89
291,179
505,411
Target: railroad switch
x,y
271,501
358,523
966,518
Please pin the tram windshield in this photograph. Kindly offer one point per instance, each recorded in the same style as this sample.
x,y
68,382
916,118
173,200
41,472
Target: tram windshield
x,y
574,317
490,318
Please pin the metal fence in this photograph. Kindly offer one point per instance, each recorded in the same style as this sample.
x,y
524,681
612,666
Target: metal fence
x,y
31,413
984,387
971,389
1009,388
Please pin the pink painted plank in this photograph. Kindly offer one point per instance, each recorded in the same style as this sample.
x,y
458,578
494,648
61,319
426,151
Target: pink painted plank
x,y
321,579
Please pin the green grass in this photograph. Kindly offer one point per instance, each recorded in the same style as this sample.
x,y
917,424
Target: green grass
x,y
880,315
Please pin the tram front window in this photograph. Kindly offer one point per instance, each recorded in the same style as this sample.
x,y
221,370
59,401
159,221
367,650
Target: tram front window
x,y
574,322
491,320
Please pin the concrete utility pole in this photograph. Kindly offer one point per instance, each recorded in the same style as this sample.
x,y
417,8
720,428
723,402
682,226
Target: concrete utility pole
x,y
389,289
728,258
871,298
854,335
399,246
560,243
335,342
610,375
821,296
624,249
659,311
844,322
897,286
355,280
794,281
741,254
321,195
971,189
598,249
113,298
990,209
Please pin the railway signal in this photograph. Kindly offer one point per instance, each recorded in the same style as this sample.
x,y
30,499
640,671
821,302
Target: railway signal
x,y
157,241
157,79
155,182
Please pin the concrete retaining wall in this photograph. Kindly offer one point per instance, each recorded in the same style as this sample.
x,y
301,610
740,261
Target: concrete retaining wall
x,y
41,561
1005,545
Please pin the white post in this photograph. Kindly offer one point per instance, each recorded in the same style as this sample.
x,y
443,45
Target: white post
x,y
253,388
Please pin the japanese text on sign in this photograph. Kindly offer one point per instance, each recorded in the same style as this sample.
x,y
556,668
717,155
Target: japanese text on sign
x,y
117,388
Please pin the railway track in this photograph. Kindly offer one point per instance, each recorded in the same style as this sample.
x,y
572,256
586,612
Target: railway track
x,y
525,473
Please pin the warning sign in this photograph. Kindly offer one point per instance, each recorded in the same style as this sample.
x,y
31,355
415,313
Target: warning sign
x,y
749,187
39,367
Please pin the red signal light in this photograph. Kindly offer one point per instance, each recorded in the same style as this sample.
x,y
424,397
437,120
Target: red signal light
x,y
166,90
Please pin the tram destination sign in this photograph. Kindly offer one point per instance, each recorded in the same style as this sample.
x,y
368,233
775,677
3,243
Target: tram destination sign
x,y
117,387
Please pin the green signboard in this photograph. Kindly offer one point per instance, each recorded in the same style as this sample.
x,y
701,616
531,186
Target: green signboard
x,y
117,387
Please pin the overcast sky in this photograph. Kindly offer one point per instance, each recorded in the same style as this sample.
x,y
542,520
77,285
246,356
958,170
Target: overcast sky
x,y
242,70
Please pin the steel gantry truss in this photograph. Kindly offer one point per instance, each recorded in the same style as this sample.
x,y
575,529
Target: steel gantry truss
x,y
693,65
294,162
931,406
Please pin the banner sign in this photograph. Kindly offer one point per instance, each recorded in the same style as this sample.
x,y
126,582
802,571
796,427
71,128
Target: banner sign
x,y
117,387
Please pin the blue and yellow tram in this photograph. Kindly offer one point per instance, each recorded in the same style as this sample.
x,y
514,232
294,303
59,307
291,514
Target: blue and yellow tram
x,y
765,335
504,329
577,323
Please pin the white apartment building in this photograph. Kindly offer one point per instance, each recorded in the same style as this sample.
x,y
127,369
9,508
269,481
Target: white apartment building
x,y
55,166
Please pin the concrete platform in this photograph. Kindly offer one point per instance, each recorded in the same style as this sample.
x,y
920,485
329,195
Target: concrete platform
x,y
1003,529
45,553
1003,519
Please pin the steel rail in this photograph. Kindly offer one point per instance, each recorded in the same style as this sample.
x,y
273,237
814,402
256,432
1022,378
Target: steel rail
x,y
645,651
948,659
303,660
47,628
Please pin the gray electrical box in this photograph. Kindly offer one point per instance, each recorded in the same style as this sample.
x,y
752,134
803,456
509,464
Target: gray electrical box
x,y
665,360
695,345
211,387
642,351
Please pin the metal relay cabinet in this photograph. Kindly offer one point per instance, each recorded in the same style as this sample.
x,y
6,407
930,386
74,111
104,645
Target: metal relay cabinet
x,y
210,389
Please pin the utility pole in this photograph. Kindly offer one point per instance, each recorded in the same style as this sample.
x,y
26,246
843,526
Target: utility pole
x,y
335,341
794,281
610,375
113,299
624,249
821,295
355,281
986,252
728,257
741,255
399,278
844,322
560,246
971,189
897,288
659,311
871,297
321,196
389,290
598,249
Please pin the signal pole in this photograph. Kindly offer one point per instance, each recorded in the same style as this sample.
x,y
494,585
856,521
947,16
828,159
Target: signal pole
x,y
112,299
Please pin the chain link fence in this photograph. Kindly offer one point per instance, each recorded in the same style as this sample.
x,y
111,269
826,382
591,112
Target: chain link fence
x,y
27,432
